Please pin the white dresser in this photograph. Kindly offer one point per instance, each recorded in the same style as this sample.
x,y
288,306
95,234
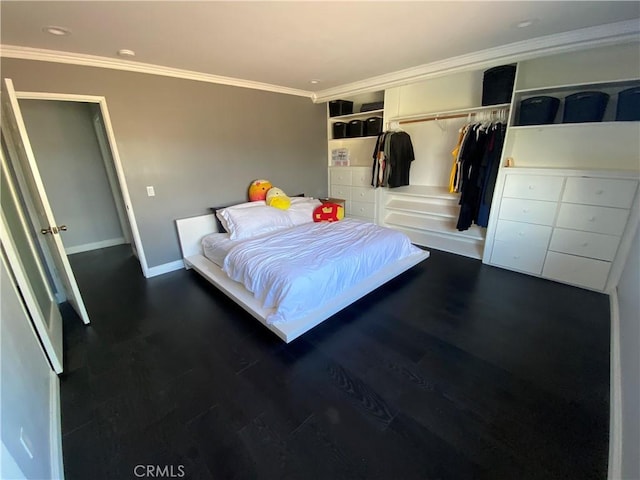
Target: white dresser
x,y
572,226
353,184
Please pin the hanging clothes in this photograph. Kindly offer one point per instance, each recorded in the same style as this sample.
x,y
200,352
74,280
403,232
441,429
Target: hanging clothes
x,y
392,157
477,167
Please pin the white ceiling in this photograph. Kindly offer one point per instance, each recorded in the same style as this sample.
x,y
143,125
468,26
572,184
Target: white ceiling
x,y
287,44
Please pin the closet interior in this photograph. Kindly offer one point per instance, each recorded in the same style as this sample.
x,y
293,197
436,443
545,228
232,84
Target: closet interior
x,y
523,224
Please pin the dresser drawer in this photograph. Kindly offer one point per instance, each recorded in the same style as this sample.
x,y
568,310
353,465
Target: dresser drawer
x,y
340,176
528,211
526,233
584,244
533,187
600,191
581,271
363,194
610,221
361,177
360,209
340,191
518,256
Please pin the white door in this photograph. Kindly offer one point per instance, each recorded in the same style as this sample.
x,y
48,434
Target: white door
x,y
28,270
13,126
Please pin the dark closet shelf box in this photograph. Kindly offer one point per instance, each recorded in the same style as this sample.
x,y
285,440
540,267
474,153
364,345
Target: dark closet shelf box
x,y
368,107
340,107
628,107
538,110
373,126
497,84
585,107
339,130
355,128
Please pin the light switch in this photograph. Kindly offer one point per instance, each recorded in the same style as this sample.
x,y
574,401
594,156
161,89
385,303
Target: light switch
x,y
151,192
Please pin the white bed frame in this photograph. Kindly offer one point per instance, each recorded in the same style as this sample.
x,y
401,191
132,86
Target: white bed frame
x,y
191,231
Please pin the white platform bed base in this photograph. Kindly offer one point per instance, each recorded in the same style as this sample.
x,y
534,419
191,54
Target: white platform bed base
x,y
192,230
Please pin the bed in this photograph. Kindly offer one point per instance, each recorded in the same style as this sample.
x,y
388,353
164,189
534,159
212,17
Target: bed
x,y
288,272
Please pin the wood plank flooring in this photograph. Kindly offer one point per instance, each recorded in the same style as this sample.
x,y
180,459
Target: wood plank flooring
x,y
455,370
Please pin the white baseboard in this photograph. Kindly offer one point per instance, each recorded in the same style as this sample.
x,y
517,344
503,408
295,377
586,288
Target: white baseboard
x,y
55,424
95,245
615,407
165,268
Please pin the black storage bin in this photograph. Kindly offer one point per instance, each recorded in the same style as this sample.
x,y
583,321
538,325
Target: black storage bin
x,y
339,130
628,107
355,128
497,84
367,107
538,110
373,126
340,107
584,107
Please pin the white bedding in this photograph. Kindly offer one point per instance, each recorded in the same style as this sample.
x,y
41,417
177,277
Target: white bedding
x,y
216,246
297,269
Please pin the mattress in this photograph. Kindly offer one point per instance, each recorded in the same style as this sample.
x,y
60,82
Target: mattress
x,y
216,246
297,270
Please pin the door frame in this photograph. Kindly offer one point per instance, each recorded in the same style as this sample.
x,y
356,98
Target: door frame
x,y
102,102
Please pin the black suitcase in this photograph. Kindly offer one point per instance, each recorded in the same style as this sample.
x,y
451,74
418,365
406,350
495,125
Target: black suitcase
x,y
339,130
367,107
628,107
355,128
585,107
497,84
538,110
373,126
340,107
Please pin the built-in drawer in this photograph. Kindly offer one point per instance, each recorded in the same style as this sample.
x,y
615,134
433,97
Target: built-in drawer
x,y
528,211
533,187
584,244
610,221
340,176
600,191
585,272
361,177
340,191
518,256
526,233
363,194
361,209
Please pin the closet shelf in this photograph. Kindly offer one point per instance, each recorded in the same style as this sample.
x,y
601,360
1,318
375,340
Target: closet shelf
x,y
445,113
629,82
351,116
440,226
426,191
573,125
348,139
408,206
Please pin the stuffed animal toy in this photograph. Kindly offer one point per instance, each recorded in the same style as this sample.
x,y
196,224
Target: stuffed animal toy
x,y
258,190
328,212
278,199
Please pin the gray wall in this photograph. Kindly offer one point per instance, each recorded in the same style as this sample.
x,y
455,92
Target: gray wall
x,y
198,144
73,172
629,303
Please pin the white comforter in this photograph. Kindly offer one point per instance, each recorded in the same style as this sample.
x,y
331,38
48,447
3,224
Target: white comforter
x,y
295,270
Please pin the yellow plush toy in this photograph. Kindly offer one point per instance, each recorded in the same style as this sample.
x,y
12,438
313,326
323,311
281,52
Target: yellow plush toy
x,y
278,199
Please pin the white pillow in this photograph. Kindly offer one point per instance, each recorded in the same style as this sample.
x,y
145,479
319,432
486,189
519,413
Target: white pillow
x,y
301,209
239,206
246,221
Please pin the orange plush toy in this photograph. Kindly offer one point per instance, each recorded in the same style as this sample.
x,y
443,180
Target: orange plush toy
x,y
258,190
328,212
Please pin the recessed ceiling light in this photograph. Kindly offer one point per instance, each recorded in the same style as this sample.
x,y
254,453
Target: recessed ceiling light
x,y
126,53
525,23
314,81
58,31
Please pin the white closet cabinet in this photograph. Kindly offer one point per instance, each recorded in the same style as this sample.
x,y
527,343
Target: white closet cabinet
x,y
353,185
572,226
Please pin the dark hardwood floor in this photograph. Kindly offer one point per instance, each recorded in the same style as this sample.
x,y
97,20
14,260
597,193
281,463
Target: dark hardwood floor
x,y
455,370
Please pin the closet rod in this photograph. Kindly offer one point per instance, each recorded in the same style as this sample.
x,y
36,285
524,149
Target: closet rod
x,y
445,117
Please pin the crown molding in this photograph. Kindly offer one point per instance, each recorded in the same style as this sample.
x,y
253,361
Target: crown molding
x,y
55,56
602,35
